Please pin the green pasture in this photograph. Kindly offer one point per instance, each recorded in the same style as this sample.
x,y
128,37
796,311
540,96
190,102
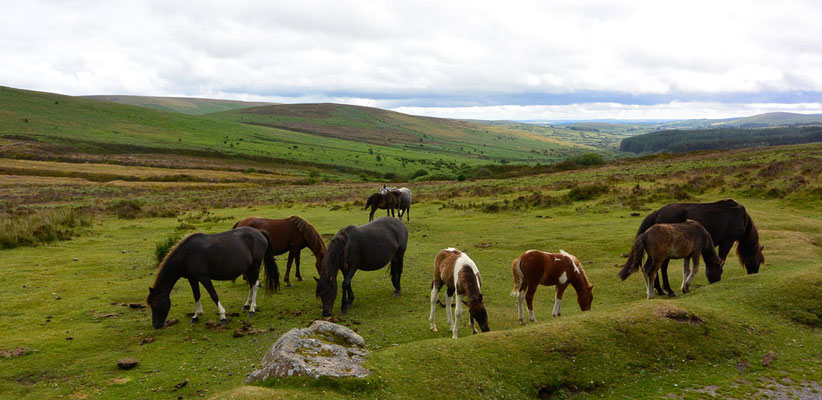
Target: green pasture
x,y
625,346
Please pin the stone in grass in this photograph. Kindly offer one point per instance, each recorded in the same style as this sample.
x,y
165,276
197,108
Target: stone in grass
x,y
127,363
322,349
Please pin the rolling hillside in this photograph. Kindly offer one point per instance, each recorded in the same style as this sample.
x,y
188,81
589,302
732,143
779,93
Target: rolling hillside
x,y
185,105
443,149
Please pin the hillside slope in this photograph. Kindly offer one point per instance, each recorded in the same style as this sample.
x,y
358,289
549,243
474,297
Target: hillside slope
x,y
105,127
185,105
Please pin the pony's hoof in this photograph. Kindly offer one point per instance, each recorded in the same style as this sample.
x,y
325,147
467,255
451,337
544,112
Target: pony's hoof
x,y
223,322
522,322
433,329
299,278
250,314
246,307
288,284
396,294
672,294
195,320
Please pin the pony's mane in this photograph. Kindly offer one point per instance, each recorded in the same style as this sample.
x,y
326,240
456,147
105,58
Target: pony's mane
x,y
170,253
315,241
749,242
335,255
470,284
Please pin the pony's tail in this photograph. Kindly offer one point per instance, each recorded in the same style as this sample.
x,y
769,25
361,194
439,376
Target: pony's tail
x,y
519,279
635,259
272,274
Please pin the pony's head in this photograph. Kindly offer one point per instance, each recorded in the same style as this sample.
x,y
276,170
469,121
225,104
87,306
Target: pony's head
x,y
585,296
160,304
478,313
713,266
333,260
748,250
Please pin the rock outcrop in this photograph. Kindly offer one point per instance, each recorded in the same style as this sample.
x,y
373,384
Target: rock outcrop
x,y
322,349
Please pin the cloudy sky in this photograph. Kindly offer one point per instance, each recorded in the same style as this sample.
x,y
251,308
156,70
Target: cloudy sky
x,y
465,59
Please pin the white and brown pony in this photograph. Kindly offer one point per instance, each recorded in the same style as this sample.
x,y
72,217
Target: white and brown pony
x,y
534,268
460,276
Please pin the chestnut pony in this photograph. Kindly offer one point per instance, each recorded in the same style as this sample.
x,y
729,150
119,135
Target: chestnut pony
x,y
290,234
534,268
458,273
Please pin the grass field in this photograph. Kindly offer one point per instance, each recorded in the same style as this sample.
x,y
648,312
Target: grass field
x,y
625,347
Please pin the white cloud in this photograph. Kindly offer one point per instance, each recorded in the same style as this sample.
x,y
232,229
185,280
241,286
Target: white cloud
x,y
396,52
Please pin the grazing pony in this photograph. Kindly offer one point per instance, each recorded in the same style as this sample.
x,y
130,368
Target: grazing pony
x,y
367,247
459,274
201,258
726,221
384,201
534,268
403,197
291,234
686,240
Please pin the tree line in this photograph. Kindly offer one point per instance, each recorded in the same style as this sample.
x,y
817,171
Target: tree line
x,y
681,141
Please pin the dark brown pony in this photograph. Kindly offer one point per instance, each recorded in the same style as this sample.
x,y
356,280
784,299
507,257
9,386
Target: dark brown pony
x,y
291,234
726,220
367,247
201,258
458,273
686,240
383,201
534,268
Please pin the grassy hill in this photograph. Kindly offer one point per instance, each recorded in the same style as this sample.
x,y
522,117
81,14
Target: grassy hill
x,y
185,105
776,118
732,339
388,128
680,141
444,148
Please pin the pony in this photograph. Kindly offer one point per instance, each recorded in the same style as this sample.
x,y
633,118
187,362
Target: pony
x,y
685,240
403,198
201,258
534,268
458,273
726,220
367,247
290,234
383,201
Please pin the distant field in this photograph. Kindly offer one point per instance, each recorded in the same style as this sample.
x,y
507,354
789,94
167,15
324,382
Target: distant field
x,y
625,347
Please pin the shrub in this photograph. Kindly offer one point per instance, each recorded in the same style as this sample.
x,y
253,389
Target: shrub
x,y
43,227
419,173
162,247
587,192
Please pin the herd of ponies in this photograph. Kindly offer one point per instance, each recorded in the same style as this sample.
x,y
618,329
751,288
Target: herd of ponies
x,y
688,231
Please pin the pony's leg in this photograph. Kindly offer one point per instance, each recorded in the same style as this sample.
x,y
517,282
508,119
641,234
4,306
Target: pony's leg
x,y
693,271
256,287
558,301
520,299
396,272
457,315
471,321
724,249
435,291
348,294
529,300
247,305
288,269
651,276
209,287
649,280
297,266
371,215
449,296
408,213
665,283
195,290
686,272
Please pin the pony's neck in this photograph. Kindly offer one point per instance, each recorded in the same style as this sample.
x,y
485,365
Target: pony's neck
x,y
579,282
167,277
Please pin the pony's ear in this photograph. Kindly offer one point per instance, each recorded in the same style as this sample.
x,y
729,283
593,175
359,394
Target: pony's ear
x,y
590,286
316,279
150,289
761,247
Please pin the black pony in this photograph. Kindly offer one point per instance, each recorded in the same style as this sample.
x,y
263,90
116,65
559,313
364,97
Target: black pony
x,y
367,247
222,257
726,221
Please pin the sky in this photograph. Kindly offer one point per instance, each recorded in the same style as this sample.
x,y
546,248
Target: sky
x,y
523,60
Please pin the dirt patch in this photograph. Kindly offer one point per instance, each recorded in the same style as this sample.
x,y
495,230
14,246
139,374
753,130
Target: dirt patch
x,y
15,352
680,315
